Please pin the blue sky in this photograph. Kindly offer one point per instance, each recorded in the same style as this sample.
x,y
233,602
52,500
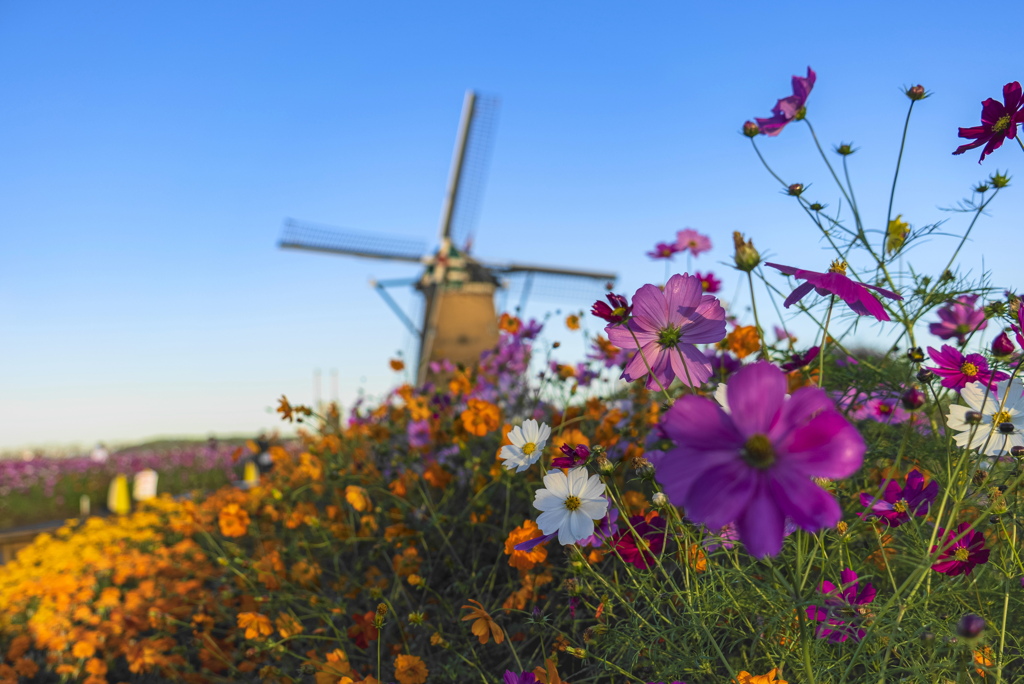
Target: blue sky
x,y
150,152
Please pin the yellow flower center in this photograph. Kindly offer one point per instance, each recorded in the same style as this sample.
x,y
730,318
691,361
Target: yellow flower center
x,y
529,448
572,503
758,451
969,369
900,506
1001,124
1000,417
962,554
838,267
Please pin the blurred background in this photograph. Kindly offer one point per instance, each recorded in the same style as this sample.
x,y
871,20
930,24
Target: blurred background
x,y
150,152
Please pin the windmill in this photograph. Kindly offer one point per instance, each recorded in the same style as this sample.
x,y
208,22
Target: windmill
x,y
459,317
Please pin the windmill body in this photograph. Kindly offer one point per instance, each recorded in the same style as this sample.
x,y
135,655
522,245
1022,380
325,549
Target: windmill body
x,y
459,317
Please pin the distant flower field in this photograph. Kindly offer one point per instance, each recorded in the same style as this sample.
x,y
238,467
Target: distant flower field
x,y
697,501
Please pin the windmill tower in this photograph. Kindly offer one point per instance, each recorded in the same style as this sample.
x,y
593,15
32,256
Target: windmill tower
x,y
459,317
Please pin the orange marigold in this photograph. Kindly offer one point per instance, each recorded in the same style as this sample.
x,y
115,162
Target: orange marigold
x,y
524,560
397,364
234,521
509,324
358,498
409,669
572,322
744,677
480,417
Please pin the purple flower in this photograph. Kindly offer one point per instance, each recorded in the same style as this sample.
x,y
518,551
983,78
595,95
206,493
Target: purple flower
x,y
835,282
522,678
960,557
1018,329
664,329
663,250
1002,346
641,546
959,319
957,370
898,504
603,529
840,616
618,312
999,121
798,361
571,457
881,410
790,108
754,464
690,240
418,434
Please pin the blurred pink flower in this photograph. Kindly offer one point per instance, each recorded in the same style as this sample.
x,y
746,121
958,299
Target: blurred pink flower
x,y
690,240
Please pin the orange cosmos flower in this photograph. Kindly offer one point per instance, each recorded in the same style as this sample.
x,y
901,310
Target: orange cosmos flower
x,y
743,341
572,322
509,324
525,560
484,626
397,364
480,417
409,669
234,521
256,625
744,677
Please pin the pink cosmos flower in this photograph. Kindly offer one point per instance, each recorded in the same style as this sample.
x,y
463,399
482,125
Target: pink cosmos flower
x,y
790,108
1002,346
959,319
840,615
664,329
882,410
999,122
664,250
753,465
835,282
960,557
898,504
957,370
1018,329
690,240
709,282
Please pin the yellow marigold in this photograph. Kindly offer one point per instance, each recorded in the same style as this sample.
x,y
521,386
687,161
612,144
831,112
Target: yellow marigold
x,y
358,498
234,521
524,560
409,669
743,341
480,417
397,364
256,625
744,677
572,322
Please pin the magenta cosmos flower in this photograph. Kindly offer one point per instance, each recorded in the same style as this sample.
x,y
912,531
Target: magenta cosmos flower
x,y
689,240
790,108
664,329
959,319
618,312
641,546
709,282
957,369
840,616
753,465
835,282
999,121
664,250
898,504
960,557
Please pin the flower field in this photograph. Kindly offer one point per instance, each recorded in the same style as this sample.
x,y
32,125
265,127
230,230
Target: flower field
x,y
699,500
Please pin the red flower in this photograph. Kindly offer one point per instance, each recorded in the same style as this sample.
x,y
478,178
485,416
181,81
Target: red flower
x,y
641,548
960,557
998,122
709,282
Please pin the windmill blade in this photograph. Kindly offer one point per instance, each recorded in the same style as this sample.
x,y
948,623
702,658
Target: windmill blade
x,y
571,287
317,238
553,270
469,167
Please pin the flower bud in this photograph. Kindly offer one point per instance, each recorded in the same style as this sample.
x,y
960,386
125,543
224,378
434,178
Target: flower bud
x,y
999,180
916,92
1007,428
1017,451
747,258
796,189
970,626
924,375
659,500
845,149
604,466
973,417
817,206
913,399
915,354
750,129
1002,346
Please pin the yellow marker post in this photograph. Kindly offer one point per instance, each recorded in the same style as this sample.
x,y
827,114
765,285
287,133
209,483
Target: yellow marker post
x,y
117,496
251,475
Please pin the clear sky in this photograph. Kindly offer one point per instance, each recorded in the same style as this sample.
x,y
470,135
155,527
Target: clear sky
x,y
149,152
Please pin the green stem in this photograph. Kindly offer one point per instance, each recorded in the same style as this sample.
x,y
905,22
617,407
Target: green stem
x,y
899,159
824,341
757,321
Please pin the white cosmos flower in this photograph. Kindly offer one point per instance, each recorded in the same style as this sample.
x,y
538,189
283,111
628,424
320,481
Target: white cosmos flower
x,y
1000,411
570,504
528,442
